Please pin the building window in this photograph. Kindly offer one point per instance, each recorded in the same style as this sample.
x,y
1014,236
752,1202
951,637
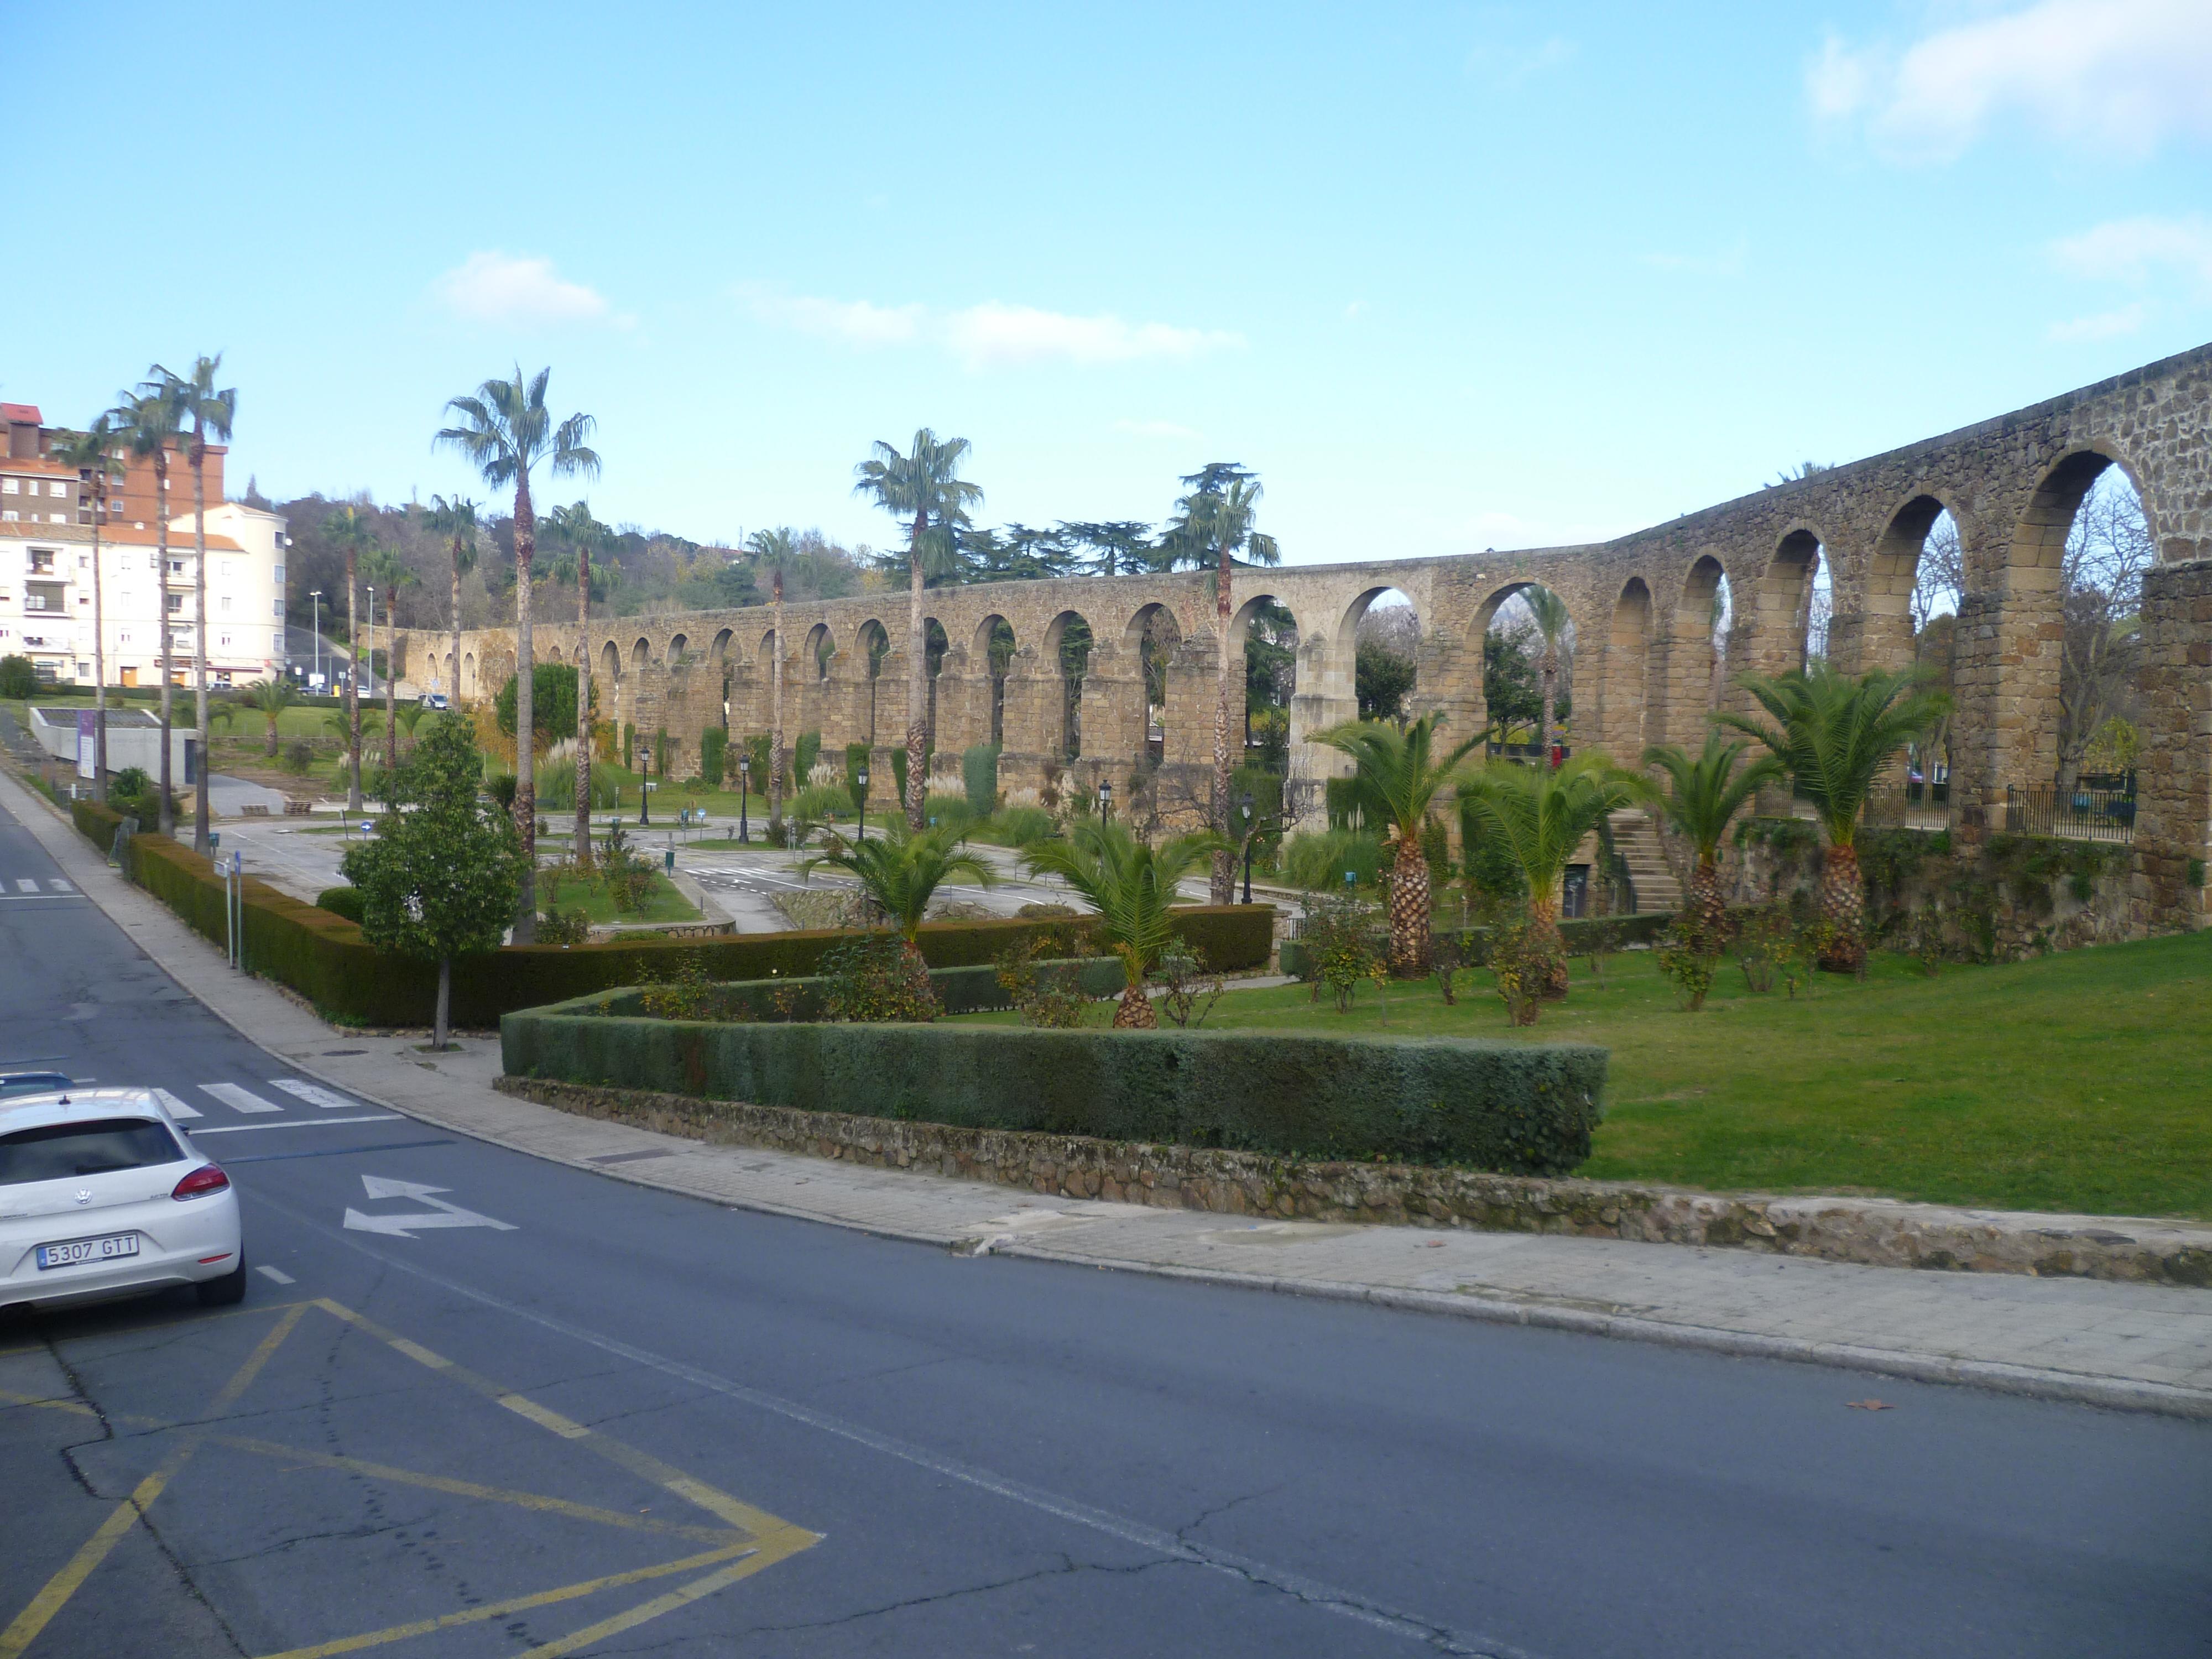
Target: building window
x,y
277,607
224,641
84,561
60,491
7,487
280,574
7,516
41,559
226,605
57,518
176,603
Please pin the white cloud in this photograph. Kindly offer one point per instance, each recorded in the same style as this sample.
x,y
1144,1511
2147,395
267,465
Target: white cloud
x,y
987,335
1158,430
1727,263
2133,249
855,321
995,333
501,287
2103,326
2123,75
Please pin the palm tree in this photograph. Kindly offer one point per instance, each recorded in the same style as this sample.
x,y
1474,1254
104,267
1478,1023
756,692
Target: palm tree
x,y
456,520
1401,775
1708,790
584,536
504,431
1550,611
925,487
391,573
1542,815
211,413
1836,735
901,869
355,538
1130,884
92,452
150,421
270,698
1213,524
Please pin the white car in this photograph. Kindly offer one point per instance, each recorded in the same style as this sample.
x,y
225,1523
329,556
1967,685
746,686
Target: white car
x,y
101,1194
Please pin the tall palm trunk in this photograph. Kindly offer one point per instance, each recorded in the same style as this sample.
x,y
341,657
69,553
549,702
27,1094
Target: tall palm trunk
x,y
917,687
1222,888
775,761
271,747
525,713
1550,670
1842,907
453,701
197,456
1134,1013
1547,950
1409,908
583,843
353,687
98,646
164,816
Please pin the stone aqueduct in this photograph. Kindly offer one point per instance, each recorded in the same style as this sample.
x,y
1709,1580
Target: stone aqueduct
x,y
1641,605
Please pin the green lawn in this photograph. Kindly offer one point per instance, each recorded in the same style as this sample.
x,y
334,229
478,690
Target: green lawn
x,y
569,893
2077,1082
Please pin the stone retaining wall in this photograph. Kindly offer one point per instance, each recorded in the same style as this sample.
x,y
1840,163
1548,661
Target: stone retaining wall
x,y
1875,1232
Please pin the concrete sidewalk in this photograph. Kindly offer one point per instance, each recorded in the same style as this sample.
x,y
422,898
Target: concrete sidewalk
x,y
2140,1346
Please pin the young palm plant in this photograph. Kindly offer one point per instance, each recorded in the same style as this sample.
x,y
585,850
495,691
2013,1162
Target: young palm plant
x,y
1705,792
270,698
1836,734
1401,773
504,431
1542,815
1132,886
900,871
926,488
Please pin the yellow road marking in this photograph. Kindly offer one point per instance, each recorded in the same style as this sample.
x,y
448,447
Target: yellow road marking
x,y
518,1604
769,1539
54,1595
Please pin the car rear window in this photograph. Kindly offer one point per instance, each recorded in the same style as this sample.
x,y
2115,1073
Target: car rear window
x,y
55,1152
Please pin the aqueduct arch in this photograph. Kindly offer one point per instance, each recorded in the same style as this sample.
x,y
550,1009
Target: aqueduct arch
x,y
1646,669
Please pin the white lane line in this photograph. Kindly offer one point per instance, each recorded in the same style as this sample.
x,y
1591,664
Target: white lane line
x,y
238,1099
277,1274
296,1123
177,1108
23,886
59,886
314,1095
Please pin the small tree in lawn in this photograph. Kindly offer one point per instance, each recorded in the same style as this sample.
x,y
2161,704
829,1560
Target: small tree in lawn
x,y
1132,885
900,871
1705,792
1401,773
1539,815
442,875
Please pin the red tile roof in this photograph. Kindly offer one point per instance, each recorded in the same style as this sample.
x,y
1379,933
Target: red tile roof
x,y
23,414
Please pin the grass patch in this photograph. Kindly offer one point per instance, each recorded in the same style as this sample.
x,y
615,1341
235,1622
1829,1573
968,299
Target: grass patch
x,y
2077,1082
571,892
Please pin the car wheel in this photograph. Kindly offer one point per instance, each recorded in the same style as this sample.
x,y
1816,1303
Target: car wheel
x,y
226,1292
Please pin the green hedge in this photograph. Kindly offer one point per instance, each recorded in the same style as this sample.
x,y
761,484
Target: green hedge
x,y
1523,1108
959,990
1640,928
326,959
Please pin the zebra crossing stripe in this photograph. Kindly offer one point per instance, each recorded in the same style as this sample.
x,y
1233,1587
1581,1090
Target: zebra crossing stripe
x,y
238,1099
23,886
177,1108
60,886
313,1094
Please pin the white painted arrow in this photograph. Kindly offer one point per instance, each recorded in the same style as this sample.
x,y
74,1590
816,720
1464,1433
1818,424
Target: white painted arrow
x,y
439,1214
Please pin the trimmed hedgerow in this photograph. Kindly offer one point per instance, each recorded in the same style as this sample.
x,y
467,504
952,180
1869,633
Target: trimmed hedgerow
x,y
959,991
1517,1108
324,958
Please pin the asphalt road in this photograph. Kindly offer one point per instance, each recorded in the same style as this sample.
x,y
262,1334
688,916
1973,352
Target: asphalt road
x,y
623,1422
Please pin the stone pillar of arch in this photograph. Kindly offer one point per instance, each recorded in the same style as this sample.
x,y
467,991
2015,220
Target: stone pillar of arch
x,y
1448,682
1187,728
2173,774
1327,694
1113,709
1622,671
1031,719
843,699
958,689
1684,671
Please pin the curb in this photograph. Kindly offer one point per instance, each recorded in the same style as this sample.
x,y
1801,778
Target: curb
x,y
2034,1382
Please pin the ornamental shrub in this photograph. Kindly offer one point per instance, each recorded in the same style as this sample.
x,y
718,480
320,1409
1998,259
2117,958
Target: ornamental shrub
x,y
340,901
714,755
19,678
979,779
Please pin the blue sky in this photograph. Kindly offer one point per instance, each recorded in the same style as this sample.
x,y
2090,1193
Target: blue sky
x,y
1449,277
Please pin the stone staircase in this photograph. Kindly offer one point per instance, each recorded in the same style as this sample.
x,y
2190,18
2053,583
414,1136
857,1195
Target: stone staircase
x,y
1636,839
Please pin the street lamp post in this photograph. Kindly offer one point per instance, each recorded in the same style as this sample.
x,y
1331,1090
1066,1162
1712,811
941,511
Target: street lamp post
x,y
860,777
645,785
1244,805
1105,801
317,596
744,796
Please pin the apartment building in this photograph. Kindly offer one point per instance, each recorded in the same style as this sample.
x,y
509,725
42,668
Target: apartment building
x,y
46,512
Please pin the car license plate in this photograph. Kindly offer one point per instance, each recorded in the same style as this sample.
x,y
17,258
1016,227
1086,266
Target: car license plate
x,y
78,1250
